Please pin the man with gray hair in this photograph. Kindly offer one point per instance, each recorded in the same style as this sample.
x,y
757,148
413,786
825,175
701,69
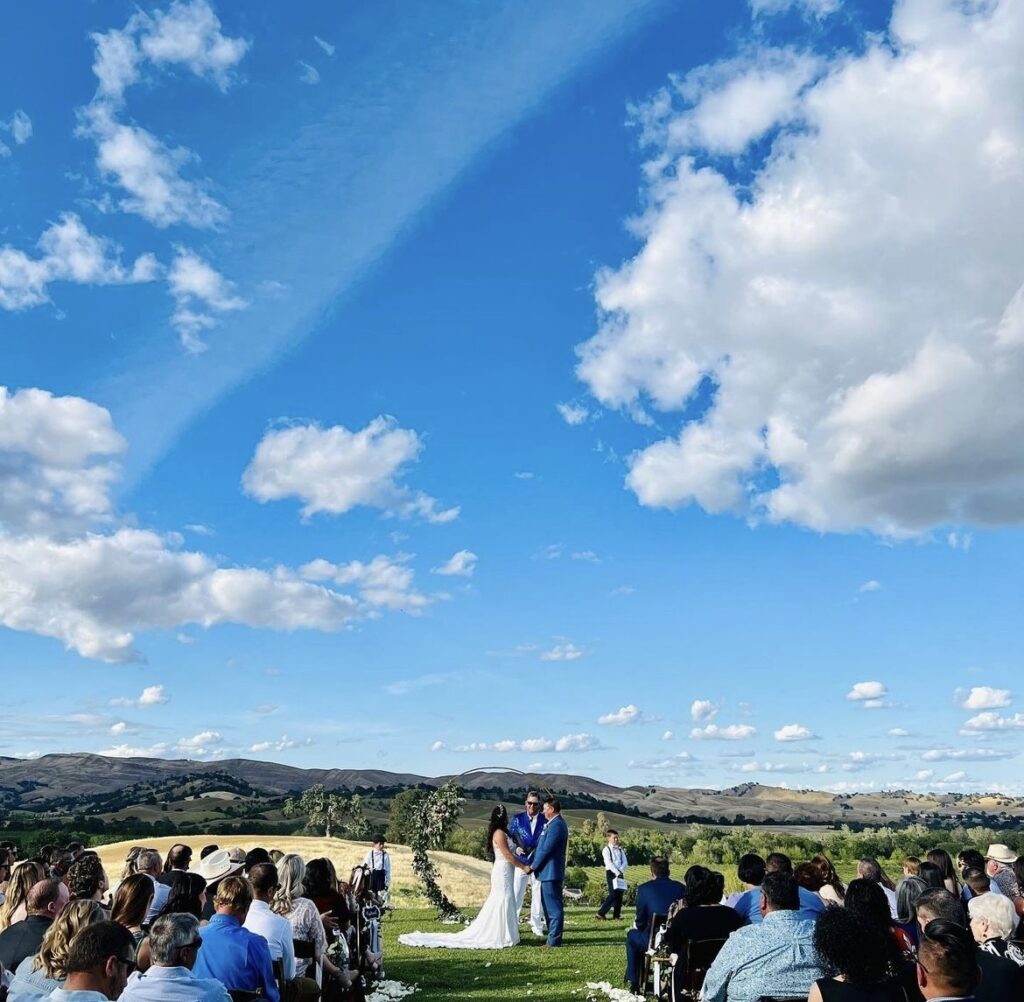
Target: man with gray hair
x,y
174,942
149,862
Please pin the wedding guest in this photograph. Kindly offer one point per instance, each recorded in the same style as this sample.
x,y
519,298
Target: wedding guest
x,y
87,880
615,864
704,917
23,877
253,858
750,871
999,862
931,875
977,882
215,868
869,869
654,897
46,900
320,885
911,866
773,957
179,858
993,920
186,896
237,958
174,943
150,863
100,959
749,903
131,904
942,859
855,956
207,849
908,891
809,877
832,888
40,974
948,968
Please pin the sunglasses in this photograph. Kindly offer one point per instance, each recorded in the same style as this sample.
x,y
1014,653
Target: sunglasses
x,y
129,965
533,803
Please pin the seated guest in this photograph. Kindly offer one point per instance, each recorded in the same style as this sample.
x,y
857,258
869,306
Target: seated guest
x,y
867,901
654,897
24,876
976,882
186,896
749,903
149,862
773,957
809,877
704,917
237,958
948,968
870,869
46,900
993,920
1001,978
39,975
253,858
100,959
214,869
179,859
931,875
999,862
87,880
174,943
207,849
942,859
911,866
908,890
305,920
832,888
750,871
855,953
131,903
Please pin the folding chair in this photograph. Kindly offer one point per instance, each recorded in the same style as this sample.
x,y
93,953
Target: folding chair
x,y
692,966
654,958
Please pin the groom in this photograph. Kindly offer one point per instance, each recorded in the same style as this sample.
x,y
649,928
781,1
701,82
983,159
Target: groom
x,y
548,865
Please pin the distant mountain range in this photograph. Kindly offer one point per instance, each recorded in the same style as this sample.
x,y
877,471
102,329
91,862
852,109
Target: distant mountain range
x,y
81,782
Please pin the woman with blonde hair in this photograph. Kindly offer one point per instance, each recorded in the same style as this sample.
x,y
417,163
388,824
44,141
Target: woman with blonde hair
x,y
23,876
307,926
39,975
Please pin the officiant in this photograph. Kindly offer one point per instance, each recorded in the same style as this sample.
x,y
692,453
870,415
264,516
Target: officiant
x,y
615,864
525,831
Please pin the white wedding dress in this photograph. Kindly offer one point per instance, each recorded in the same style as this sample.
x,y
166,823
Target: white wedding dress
x,y
497,925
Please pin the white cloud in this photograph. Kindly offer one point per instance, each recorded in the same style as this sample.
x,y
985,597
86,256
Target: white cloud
x,y
159,750
19,126
403,686
966,755
151,695
572,414
869,586
94,593
567,743
588,556
68,253
199,291
835,404
731,732
794,732
334,470
815,8
870,694
954,777
384,582
310,74
563,652
326,46
524,475
984,697
666,764
621,591
461,564
667,736
703,710
924,774
624,715
122,727
992,721
438,746
283,743
56,461
898,732
199,743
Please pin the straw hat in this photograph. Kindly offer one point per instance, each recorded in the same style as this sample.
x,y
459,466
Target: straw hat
x,y
217,865
1001,854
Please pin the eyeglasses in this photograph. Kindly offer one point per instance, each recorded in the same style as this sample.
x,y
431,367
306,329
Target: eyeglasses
x,y
533,803
129,965
194,945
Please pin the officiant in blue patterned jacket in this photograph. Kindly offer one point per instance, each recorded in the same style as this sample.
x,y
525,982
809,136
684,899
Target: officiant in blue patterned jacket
x,y
525,830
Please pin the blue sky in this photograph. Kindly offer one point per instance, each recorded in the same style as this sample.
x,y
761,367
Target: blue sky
x,y
624,389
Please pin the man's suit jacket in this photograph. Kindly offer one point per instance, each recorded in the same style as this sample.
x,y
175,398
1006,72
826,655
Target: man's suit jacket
x,y
519,832
655,898
22,939
549,859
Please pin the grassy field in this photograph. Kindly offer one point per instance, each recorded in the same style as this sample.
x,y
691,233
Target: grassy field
x,y
592,951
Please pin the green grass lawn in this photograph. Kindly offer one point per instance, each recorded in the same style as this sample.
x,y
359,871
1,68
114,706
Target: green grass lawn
x,y
592,951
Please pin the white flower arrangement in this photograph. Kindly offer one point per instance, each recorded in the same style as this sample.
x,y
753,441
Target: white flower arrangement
x,y
391,991
609,992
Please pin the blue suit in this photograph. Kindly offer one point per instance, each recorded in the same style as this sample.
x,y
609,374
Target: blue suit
x,y
549,867
653,898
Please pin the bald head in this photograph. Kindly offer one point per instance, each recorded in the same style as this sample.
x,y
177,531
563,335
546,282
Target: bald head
x,y
46,897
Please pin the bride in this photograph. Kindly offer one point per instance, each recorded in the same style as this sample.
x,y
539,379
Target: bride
x,y
497,925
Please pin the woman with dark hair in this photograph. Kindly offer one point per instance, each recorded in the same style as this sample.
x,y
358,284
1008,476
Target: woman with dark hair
x,y
131,903
941,859
832,888
320,885
854,951
908,890
704,917
497,924
188,894
809,877
931,875
867,900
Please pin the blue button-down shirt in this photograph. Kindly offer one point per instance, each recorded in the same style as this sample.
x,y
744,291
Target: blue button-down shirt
x,y
173,984
773,957
748,904
236,957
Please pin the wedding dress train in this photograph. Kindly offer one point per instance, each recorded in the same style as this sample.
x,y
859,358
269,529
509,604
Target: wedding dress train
x,y
496,927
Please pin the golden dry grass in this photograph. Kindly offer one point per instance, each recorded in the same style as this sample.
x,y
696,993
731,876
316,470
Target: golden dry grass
x,y
464,879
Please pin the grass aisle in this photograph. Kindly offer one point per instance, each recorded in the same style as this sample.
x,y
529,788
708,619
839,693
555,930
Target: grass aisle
x,y
592,951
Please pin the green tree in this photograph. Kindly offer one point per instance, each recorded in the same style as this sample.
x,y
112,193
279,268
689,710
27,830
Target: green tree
x,y
320,808
402,815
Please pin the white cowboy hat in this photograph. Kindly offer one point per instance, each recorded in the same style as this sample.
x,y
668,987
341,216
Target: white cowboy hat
x,y
217,865
1001,854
